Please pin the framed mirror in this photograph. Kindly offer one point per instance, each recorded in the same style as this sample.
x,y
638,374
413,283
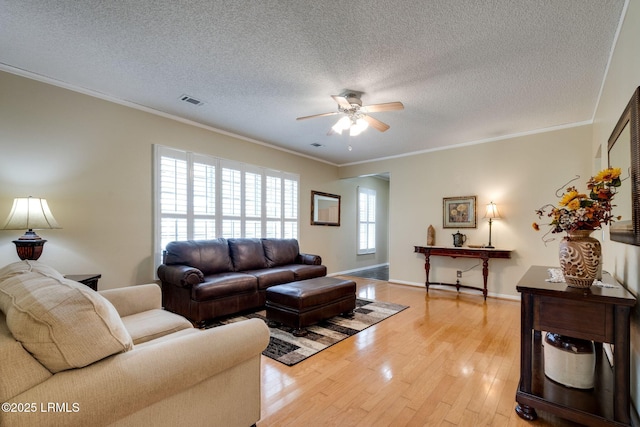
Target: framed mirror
x,y
325,209
624,152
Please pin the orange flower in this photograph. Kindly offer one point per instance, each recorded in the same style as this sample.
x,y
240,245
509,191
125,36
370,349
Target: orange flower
x,y
604,194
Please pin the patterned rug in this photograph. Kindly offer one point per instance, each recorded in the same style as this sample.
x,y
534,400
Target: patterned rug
x,y
290,350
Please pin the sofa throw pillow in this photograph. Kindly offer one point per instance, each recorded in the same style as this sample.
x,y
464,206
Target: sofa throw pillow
x,y
247,254
62,323
280,251
27,266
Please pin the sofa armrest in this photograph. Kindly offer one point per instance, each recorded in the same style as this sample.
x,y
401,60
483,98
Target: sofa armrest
x,y
309,259
120,385
180,275
134,299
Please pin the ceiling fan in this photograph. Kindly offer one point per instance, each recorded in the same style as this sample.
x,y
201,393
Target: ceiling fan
x,y
356,116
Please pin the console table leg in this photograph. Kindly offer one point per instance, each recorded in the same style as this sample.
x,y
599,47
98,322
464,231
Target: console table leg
x,y
427,267
526,412
485,275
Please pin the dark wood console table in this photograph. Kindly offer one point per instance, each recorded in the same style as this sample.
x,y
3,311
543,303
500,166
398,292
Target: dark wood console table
x,y
597,314
481,253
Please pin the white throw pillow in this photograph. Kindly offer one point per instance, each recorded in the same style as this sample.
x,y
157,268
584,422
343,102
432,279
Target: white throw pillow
x,y
62,323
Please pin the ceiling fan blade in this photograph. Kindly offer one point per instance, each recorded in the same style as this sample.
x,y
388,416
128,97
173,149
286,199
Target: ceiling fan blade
x,y
387,106
377,124
318,115
342,101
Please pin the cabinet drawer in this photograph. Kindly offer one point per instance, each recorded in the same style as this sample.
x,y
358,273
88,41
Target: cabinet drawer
x,y
577,319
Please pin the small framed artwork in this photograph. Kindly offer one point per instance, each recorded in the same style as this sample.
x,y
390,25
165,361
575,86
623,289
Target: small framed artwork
x,y
459,212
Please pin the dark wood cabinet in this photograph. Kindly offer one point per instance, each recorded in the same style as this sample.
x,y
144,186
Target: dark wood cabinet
x,y
599,314
90,280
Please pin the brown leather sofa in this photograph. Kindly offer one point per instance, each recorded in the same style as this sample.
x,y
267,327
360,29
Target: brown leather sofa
x,y
206,279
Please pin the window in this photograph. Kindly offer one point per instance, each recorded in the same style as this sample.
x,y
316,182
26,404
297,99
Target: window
x,y
366,220
203,197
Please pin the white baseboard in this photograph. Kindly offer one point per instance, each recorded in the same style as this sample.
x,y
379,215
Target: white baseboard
x,y
402,282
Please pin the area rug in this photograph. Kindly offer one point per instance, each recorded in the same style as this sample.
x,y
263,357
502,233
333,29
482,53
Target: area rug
x,y
290,350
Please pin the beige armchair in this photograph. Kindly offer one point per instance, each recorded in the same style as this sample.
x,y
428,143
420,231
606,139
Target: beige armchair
x,y
169,373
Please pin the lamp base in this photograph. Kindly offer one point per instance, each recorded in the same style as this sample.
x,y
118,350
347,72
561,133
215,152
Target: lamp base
x,y
490,246
29,249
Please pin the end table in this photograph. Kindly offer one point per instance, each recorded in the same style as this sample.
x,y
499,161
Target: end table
x,y
597,314
90,280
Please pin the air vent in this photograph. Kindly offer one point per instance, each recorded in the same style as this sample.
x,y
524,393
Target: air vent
x,y
317,145
191,100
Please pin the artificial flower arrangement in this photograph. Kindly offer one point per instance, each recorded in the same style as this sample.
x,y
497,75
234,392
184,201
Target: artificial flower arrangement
x,y
579,211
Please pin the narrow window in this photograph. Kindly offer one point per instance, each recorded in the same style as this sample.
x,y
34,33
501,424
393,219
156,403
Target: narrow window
x,y
366,220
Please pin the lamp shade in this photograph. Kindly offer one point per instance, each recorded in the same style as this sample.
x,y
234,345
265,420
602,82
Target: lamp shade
x,y
30,213
492,211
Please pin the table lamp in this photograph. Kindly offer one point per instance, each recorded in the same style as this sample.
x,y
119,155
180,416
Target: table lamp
x,y
30,213
493,214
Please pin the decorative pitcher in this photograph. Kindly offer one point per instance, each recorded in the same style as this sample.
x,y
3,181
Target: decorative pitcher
x,y
459,239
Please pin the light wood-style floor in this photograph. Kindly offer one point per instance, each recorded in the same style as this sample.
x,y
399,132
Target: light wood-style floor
x,y
449,360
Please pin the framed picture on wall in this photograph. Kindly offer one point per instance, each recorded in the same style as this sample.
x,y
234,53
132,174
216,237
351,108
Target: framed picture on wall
x,y
459,212
325,209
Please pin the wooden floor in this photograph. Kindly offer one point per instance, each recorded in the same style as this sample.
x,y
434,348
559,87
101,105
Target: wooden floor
x,y
449,360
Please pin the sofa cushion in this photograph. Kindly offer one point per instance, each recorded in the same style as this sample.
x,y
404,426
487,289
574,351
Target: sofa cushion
x,y
208,256
247,254
62,323
19,371
151,324
280,251
272,276
224,285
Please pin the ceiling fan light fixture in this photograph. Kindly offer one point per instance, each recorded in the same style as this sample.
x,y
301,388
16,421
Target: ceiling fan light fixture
x,y
356,116
342,124
358,127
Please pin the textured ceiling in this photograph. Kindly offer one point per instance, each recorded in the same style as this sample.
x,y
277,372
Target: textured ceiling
x,y
466,71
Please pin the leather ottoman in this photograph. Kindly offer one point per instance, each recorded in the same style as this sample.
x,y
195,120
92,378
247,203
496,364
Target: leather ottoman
x,y
303,303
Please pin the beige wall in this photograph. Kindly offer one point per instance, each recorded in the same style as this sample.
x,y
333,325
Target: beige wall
x,y
622,79
92,160
519,175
